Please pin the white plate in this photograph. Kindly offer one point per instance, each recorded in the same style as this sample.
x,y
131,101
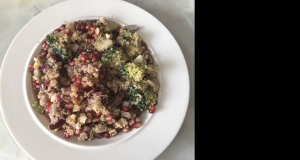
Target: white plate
x,y
29,129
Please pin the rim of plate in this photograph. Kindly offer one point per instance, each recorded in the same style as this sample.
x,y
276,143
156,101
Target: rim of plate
x,y
156,135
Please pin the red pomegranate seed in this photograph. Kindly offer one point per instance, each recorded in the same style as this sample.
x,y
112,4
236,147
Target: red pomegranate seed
x,y
94,59
73,79
94,35
92,28
131,123
56,31
78,131
102,134
62,27
67,135
90,115
67,31
83,58
83,52
87,27
143,44
72,63
137,125
126,130
35,83
74,88
126,109
152,109
95,52
88,134
98,114
31,69
44,45
69,105
107,135
44,52
48,106
82,27
109,118
78,80
137,119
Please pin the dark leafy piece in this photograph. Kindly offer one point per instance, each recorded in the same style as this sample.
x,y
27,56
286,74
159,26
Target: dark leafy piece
x,y
141,99
62,52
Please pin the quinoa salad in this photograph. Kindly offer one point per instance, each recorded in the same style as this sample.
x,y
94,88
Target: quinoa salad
x,y
94,78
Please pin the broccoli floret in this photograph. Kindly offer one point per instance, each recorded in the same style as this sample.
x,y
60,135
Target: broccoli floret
x,y
38,107
132,71
113,57
141,99
59,48
126,33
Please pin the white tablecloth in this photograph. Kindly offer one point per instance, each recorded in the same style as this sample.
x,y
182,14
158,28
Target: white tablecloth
x,y
176,15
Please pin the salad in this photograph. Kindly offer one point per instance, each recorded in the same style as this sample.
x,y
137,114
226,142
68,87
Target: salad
x,y
94,78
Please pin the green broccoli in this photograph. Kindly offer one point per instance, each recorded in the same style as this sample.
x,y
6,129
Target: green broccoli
x,y
132,71
113,57
60,49
38,107
141,99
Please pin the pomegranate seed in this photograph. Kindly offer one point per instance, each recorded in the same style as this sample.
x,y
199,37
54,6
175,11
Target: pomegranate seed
x,y
137,119
95,52
89,40
83,58
62,27
67,135
107,135
84,86
78,131
72,63
34,83
73,79
44,45
109,118
102,134
67,31
126,130
74,88
98,114
90,115
87,27
126,109
131,123
48,106
82,27
94,35
94,59
31,69
69,105
92,28
152,109
108,107
78,80
137,125
44,52
56,31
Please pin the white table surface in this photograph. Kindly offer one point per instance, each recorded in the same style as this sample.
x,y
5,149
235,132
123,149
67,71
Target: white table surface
x,y
176,15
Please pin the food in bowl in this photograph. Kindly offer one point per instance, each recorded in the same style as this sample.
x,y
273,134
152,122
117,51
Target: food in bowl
x,y
94,78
